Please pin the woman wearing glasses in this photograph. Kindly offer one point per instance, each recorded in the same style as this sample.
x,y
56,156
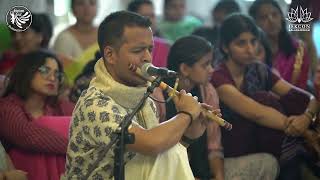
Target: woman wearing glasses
x,y
30,97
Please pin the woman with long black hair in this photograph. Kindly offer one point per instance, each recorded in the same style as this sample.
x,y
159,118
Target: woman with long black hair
x,y
191,57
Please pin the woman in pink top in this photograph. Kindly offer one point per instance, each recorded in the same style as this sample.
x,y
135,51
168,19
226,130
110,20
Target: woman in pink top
x,y
35,142
290,58
191,57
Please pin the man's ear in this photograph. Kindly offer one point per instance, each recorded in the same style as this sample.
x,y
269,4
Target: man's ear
x,y
184,69
109,53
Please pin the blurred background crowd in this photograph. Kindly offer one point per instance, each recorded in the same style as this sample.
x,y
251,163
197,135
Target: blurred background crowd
x,y
44,69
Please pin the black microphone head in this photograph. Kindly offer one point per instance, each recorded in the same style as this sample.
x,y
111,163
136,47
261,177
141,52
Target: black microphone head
x,y
148,70
144,69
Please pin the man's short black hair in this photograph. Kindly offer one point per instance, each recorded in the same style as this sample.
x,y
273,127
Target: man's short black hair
x,y
110,32
136,4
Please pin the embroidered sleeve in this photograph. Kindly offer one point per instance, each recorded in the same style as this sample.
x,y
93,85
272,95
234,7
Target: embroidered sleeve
x,y
102,117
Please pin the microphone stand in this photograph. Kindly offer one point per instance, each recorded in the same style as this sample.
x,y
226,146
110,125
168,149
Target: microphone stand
x,y
123,135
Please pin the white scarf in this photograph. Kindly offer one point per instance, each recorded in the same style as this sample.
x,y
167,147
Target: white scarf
x,y
126,96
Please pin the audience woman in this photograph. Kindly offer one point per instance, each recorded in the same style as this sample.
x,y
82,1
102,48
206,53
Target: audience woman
x,y
35,37
191,57
83,34
30,96
261,122
289,55
175,22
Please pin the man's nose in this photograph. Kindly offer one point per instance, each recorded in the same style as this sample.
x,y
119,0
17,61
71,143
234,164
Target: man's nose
x,y
147,56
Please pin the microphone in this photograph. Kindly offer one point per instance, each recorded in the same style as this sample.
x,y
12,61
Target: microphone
x,y
148,70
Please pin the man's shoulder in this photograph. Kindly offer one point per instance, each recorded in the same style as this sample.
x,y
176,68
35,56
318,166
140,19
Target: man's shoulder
x,y
93,93
94,98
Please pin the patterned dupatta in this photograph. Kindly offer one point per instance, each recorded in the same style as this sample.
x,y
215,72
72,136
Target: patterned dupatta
x,y
257,78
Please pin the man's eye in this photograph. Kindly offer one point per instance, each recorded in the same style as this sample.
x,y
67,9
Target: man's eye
x,y
137,51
